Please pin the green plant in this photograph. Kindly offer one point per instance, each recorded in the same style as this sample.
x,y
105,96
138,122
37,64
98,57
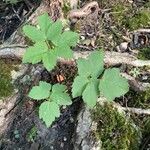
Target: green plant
x,y
141,19
144,53
115,129
135,72
50,43
32,134
55,96
91,82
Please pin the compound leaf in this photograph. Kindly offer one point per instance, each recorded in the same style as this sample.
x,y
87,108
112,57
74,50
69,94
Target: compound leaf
x,y
48,111
33,33
34,53
90,95
79,85
40,92
112,85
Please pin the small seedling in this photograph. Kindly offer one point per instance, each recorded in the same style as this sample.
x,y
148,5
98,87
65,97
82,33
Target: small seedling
x,y
91,82
50,42
32,134
55,96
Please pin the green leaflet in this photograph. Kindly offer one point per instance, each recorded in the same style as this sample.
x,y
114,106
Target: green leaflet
x,y
48,111
79,86
61,98
49,60
92,66
90,95
59,95
54,31
64,51
59,87
44,22
69,38
34,53
33,33
112,85
50,41
96,63
83,67
40,92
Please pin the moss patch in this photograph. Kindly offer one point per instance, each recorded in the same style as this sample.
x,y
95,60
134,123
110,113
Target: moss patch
x,y
6,87
138,99
144,124
131,18
119,13
66,8
139,20
115,132
144,53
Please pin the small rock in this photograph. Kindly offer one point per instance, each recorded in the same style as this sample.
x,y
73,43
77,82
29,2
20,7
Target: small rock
x,y
122,47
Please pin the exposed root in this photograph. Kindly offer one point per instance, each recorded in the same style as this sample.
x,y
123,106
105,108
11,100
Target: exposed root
x,y
116,58
137,111
111,58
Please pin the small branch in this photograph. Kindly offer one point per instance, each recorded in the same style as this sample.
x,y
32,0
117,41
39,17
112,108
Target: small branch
x,y
116,58
111,58
138,111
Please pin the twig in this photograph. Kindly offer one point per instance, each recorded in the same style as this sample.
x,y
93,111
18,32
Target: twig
x,y
138,111
111,58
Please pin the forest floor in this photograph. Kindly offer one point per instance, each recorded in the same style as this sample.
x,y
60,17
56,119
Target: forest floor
x,y
121,28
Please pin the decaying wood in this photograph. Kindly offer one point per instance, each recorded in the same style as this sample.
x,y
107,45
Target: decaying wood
x,y
111,58
84,11
5,107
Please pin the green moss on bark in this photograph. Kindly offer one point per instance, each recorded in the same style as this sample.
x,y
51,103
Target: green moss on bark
x,y
114,130
6,87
